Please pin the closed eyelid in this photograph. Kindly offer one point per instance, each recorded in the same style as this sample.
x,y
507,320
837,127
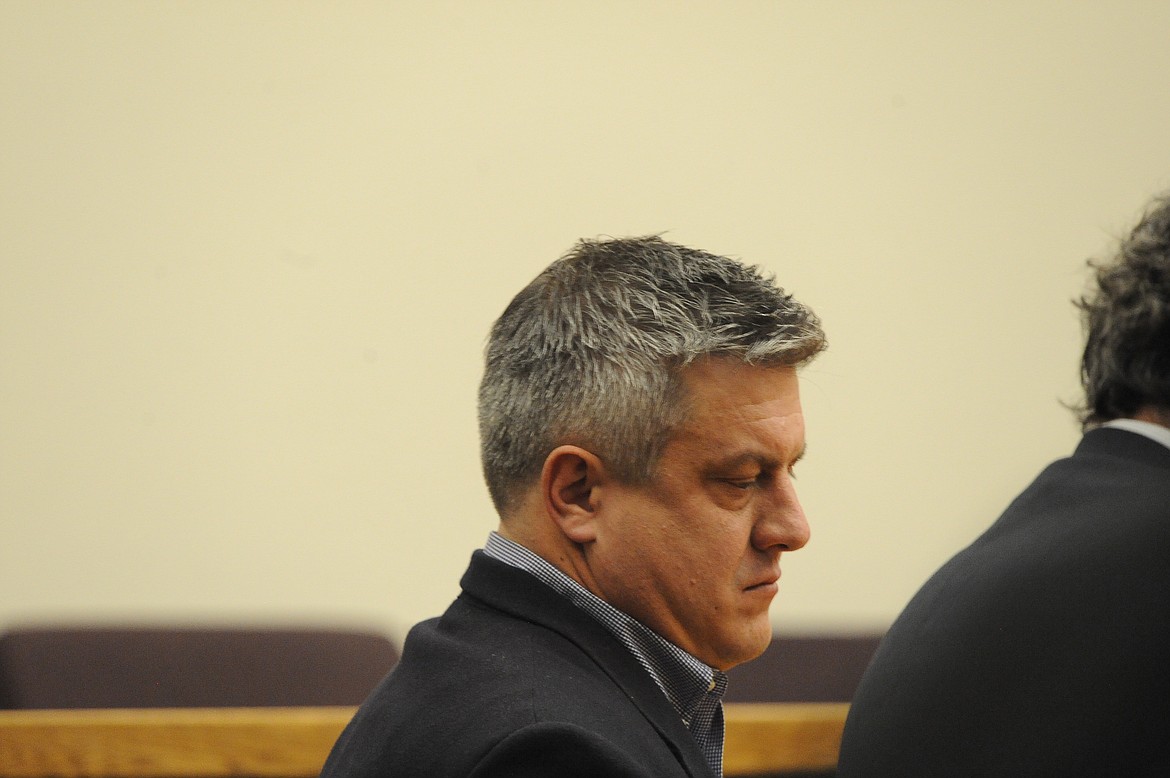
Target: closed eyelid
x,y
748,469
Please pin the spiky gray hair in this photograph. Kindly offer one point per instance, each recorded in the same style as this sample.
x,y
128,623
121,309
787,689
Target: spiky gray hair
x,y
589,353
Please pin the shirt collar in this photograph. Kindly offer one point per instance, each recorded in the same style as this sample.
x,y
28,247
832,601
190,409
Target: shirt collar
x,y
683,678
1155,432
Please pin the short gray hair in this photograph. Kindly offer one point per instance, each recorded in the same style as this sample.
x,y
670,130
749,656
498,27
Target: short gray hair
x,y
589,353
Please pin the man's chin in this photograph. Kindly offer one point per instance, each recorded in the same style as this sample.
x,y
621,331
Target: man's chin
x,y
751,647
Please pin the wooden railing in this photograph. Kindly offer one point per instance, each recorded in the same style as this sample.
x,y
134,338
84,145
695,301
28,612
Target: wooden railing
x,y
771,737
293,742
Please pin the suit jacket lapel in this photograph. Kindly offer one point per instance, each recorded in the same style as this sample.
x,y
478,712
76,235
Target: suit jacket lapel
x,y
523,596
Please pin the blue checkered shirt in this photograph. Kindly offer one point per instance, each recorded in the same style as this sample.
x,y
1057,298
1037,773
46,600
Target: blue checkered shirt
x,y
694,689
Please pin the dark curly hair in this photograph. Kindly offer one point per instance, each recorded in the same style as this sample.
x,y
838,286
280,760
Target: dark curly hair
x,y
1126,363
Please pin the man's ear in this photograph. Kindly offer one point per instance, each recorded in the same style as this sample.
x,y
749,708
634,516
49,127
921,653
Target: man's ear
x,y
568,485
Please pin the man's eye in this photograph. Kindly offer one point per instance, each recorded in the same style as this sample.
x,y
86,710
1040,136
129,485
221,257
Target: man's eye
x,y
741,483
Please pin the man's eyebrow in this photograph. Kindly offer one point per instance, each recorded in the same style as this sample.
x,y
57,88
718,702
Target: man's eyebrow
x,y
756,458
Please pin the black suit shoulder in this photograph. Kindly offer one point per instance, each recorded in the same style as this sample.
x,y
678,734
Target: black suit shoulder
x,y
1044,647
513,680
560,749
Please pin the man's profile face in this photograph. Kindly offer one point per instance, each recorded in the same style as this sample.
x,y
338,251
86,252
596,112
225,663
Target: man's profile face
x,y
694,554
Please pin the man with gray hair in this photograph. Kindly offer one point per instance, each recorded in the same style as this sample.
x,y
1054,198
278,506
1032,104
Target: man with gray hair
x,y
1043,648
640,420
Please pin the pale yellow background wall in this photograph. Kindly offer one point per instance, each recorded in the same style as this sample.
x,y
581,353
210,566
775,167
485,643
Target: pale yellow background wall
x,y
250,252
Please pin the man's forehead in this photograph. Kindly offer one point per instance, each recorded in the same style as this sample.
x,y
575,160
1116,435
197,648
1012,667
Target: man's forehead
x,y
726,385
729,424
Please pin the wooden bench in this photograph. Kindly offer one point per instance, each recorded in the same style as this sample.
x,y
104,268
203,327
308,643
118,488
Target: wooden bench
x,y
293,742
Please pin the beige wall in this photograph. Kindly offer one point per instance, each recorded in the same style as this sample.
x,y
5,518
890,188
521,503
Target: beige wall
x,y
250,253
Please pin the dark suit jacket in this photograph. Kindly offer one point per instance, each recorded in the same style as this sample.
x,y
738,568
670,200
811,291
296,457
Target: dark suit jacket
x,y
514,680
1043,649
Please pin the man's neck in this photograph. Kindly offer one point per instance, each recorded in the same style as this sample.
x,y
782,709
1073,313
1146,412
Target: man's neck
x,y
539,536
1152,414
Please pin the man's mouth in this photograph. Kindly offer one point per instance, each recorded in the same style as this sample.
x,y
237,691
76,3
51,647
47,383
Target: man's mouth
x,y
766,584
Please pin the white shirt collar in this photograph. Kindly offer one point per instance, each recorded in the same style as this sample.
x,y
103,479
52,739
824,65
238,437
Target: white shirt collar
x,y
1152,431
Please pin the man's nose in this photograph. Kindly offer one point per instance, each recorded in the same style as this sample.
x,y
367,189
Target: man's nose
x,y
781,524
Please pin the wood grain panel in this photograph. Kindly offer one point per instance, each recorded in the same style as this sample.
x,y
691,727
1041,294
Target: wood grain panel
x,y
293,742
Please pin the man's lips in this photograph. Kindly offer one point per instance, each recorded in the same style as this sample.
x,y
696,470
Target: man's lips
x,y
768,583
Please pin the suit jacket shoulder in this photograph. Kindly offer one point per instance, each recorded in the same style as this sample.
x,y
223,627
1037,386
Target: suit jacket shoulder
x,y
514,680
1044,647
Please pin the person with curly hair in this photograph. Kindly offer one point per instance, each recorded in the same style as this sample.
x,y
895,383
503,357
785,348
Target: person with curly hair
x,y
1043,649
